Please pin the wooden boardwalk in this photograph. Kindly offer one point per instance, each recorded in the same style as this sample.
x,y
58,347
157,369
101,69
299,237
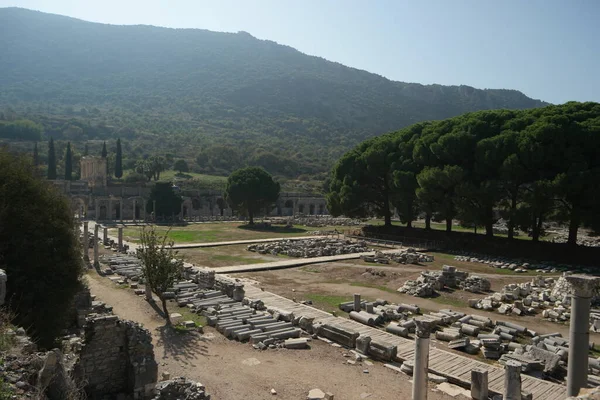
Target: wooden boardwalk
x,y
454,367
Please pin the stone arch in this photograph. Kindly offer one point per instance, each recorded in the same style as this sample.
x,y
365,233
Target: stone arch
x,y
288,204
311,209
301,208
321,209
103,212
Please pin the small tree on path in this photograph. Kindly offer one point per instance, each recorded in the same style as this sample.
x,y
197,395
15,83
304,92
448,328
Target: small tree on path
x,y
161,267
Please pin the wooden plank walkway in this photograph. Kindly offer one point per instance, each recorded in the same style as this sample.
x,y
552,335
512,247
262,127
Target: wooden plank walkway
x,y
248,241
453,366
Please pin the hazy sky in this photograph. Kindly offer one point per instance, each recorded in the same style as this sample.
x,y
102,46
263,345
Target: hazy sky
x,y
548,49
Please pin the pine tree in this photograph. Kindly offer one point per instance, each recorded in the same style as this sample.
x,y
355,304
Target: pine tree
x,y
68,163
36,156
119,161
51,160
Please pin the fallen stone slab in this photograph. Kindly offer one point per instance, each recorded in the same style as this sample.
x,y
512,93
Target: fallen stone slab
x,y
299,343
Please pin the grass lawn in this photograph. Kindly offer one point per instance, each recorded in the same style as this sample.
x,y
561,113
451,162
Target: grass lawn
x,y
327,303
220,232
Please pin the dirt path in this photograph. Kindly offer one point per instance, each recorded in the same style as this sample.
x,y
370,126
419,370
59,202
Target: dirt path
x,y
233,371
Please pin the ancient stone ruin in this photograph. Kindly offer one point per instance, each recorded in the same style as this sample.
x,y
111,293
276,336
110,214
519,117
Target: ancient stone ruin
x,y
429,282
309,248
407,256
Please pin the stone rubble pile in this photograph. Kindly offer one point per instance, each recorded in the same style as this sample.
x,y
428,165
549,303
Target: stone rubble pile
x,y
549,296
582,240
309,248
431,281
520,265
408,256
180,389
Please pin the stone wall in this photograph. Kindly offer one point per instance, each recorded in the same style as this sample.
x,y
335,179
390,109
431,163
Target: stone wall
x,y
117,357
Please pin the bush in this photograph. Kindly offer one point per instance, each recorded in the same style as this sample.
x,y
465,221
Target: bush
x,y
39,250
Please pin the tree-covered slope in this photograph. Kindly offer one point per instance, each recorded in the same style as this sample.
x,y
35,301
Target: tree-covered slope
x,y
211,87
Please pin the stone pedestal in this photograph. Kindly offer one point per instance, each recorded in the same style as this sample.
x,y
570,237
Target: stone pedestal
x,y
238,292
421,362
3,279
356,302
512,381
479,384
120,238
86,242
582,289
369,308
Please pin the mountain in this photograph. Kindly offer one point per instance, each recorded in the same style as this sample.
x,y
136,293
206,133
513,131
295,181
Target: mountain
x,y
201,92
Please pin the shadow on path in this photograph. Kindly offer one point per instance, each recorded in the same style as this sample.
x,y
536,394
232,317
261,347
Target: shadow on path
x,y
181,346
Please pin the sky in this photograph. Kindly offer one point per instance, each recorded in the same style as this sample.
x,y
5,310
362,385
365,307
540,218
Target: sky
x,y
548,49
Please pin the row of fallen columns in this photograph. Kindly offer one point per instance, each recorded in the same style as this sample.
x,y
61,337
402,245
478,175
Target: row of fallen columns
x,y
582,290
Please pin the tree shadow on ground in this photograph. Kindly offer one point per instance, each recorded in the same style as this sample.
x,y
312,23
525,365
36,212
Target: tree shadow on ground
x,y
259,227
156,307
181,346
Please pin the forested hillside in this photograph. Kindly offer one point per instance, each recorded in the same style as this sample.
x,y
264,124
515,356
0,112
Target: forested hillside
x,y
219,100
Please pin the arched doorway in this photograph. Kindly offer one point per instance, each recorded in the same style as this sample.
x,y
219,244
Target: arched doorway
x,y
301,208
311,209
321,209
103,213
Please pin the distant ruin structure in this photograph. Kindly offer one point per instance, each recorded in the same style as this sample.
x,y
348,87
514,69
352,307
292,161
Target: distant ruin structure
x,y
94,197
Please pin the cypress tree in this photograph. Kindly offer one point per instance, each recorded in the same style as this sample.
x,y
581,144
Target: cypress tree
x,y
68,163
36,156
51,160
85,150
105,156
119,161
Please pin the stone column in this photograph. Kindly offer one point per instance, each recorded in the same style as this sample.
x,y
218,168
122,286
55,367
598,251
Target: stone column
x,y
479,384
582,289
369,308
3,279
86,242
96,259
120,238
134,207
512,380
105,235
356,302
110,210
421,362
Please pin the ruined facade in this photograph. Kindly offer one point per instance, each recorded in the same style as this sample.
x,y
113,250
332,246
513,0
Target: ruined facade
x,y
93,198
